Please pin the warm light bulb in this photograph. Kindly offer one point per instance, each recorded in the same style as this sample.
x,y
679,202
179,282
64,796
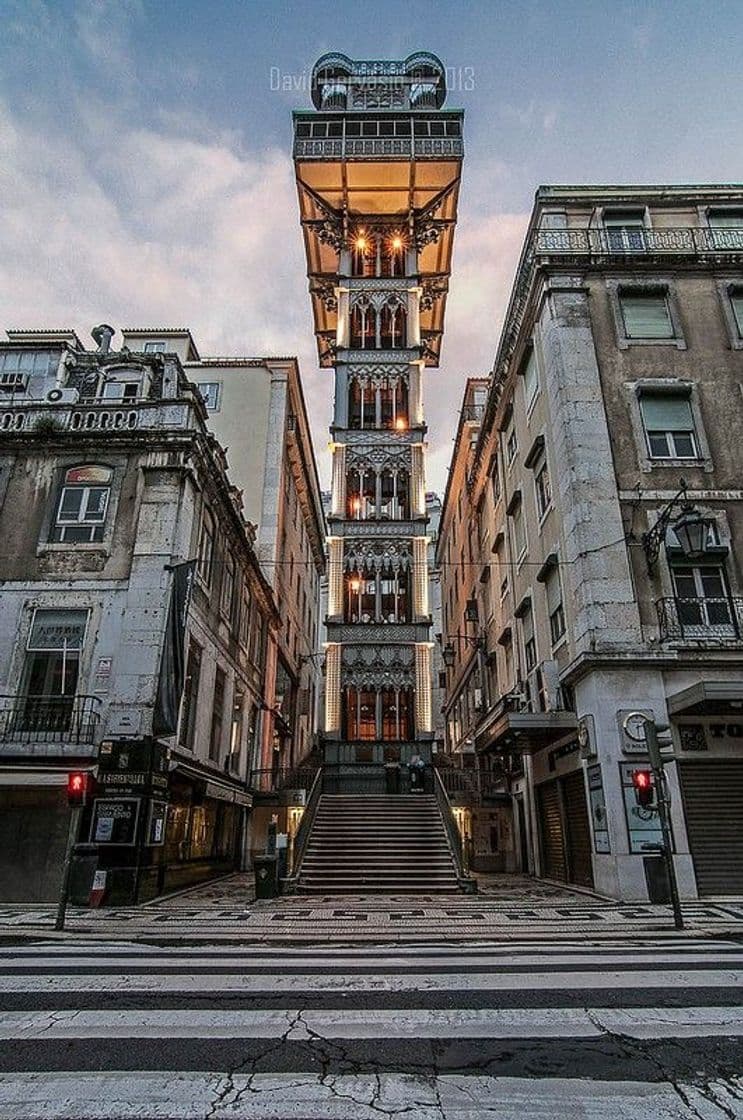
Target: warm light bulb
x,y
400,424
361,243
355,585
356,503
397,243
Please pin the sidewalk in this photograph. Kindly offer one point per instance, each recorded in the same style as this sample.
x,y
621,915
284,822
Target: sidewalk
x,y
508,908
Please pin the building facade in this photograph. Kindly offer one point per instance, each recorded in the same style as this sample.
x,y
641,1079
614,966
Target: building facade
x,y
377,167
614,421
110,483
256,409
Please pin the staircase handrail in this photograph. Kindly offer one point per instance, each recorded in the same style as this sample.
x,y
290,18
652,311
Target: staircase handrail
x,y
305,825
454,838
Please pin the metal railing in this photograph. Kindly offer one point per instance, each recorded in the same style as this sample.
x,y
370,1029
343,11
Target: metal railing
x,y
700,620
629,241
302,835
457,843
470,784
371,778
49,719
283,778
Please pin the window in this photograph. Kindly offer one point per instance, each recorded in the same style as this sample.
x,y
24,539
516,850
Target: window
x,y
727,228
245,619
190,708
83,502
17,366
531,378
646,314
512,446
625,230
227,599
495,479
669,425
215,738
519,532
122,389
736,302
702,599
543,489
206,549
51,669
210,394
530,645
555,610
155,347
258,628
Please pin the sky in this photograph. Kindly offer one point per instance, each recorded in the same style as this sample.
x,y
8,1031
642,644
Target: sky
x,y
145,154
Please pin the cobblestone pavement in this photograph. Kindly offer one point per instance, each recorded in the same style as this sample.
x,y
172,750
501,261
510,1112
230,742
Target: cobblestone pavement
x,y
507,907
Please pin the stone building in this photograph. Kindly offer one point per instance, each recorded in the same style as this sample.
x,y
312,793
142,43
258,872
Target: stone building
x,y
604,500
110,480
377,165
256,409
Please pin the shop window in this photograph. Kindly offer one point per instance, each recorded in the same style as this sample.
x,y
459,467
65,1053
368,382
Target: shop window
x,y
83,504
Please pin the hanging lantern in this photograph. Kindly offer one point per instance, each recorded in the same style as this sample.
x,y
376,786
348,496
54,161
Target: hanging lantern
x,y
692,531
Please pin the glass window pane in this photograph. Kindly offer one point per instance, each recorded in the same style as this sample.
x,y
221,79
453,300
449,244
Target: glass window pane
x,y
726,219
685,583
713,582
57,629
95,507
70,504
659,445
736,299
683,445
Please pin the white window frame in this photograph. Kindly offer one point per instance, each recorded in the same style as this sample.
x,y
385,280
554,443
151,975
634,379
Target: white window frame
x,y
84,488
542,469
529,373
155,346
673,386
670,434
726,290
512,446
201,385
207,528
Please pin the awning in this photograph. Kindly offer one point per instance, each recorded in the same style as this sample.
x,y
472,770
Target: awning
x,y
35,776
214,788
708,698
528,731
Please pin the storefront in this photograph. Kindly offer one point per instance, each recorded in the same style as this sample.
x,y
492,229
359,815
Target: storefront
x,y
34,822
564,829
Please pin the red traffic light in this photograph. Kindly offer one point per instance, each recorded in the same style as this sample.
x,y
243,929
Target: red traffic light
x,y
79,785
642,780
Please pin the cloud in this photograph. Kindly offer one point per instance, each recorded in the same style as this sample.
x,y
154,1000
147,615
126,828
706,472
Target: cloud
x,y
531,114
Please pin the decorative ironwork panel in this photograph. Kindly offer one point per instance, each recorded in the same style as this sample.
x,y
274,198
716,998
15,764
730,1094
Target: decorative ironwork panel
x,y
703,621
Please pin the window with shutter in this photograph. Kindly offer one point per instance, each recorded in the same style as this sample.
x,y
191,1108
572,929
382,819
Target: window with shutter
x,y
555,610
669,425
646,315
531,378
736,301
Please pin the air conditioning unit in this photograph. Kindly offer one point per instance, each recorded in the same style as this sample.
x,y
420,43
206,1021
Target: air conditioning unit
x,y
62,396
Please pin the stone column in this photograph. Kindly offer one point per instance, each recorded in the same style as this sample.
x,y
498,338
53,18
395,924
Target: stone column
x,y
339,480
414,318
333,689
420,577
423,721
335,577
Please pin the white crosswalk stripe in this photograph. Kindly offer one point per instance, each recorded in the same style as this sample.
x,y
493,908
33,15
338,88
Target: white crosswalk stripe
x,y
617,1030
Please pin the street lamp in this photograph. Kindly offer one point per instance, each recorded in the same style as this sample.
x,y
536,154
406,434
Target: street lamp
x,y
690,527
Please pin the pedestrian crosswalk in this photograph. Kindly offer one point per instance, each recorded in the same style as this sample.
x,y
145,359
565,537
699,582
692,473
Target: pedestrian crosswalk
x,y
625,1029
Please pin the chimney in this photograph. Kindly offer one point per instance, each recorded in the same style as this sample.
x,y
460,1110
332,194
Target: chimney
x,y
103,335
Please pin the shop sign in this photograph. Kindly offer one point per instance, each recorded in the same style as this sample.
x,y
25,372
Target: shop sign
x,y
115,820
700,736
157,822
599,818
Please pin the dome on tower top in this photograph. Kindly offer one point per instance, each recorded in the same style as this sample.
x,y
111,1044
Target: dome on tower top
x,y
416,82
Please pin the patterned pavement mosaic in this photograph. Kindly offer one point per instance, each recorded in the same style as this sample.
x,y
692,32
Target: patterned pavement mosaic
x,y
506,907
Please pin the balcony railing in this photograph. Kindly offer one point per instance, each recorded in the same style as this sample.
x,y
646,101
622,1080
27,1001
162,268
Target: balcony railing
x,y
285,778
700,620
49,719
630,241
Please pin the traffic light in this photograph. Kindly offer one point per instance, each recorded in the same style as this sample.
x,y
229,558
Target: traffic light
x,y
79,786
642,780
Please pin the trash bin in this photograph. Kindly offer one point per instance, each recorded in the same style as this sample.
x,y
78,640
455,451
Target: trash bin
x,y
392,777
82,869
266,876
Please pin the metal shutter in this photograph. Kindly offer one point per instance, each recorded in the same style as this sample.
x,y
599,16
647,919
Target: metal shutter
x,y
579,830
713,803
550,823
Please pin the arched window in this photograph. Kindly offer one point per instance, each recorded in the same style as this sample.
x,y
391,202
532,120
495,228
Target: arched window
x,y
361,596
361,495
83,504
360,715
392,332
394,405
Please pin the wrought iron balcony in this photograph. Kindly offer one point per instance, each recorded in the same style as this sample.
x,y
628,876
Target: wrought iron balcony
x,y
49,719
630,241
711,621
283,778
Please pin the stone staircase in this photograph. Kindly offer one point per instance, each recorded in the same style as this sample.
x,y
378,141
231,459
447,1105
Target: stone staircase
x,y
394,844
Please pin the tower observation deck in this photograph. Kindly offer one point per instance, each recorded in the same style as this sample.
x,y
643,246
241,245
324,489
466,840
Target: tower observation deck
x,y
378,164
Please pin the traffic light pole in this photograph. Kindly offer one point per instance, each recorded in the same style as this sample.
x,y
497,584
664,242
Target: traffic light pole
x,y
664,815
64,889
